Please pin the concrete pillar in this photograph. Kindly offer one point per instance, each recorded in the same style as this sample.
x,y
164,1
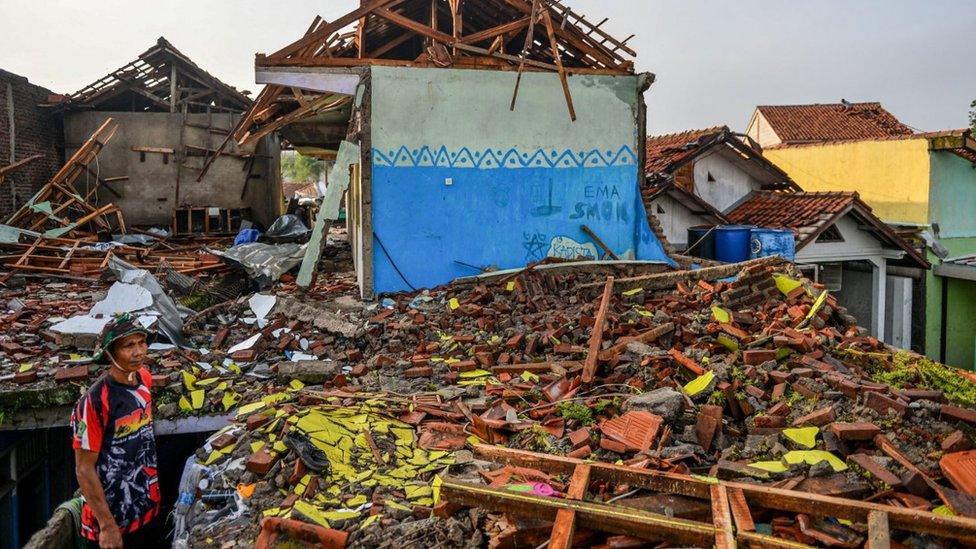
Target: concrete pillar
x,y
879,281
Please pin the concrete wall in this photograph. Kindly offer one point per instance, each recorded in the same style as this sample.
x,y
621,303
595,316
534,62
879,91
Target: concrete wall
x,y
952,195
857,244
458,180
731,184
26,129
675,220
892,176
961,337
151,193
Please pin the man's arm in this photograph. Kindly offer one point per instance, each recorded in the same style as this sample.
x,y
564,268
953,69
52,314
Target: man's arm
x,y
91,487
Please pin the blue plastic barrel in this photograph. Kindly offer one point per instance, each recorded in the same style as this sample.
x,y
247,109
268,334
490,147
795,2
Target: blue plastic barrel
x,y
705,238
768,242
732,243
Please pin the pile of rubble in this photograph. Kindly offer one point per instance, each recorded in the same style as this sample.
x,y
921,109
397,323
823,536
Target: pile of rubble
x,y
759,378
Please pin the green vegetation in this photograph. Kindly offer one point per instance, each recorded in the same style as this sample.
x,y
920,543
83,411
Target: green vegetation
x,y
301,169
908,370
576,412
972,116
604,403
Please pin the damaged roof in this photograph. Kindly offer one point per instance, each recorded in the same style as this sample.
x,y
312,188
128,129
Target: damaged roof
x,y
145,85
665,154
475,34
809,214
795,124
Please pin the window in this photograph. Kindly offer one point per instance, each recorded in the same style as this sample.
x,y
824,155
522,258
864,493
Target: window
x,y
831,234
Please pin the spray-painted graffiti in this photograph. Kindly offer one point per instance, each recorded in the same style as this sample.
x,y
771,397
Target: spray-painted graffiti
x,y
602,203
566,248
535,246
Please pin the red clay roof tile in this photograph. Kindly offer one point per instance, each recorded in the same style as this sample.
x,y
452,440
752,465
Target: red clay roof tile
x,y
665,151
832,122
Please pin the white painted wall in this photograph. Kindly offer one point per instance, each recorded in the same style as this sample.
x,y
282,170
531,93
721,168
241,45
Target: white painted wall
x,y
675,220
761,132
857,244
731,184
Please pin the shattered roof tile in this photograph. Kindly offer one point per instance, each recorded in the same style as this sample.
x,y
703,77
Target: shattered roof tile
x,y
665,151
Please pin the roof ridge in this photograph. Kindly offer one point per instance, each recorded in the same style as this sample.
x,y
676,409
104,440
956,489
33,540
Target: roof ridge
x,y
713,129
794,105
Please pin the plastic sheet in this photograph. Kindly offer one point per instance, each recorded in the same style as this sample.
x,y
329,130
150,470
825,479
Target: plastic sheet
x,y
246,236
170,320
287,228
265,263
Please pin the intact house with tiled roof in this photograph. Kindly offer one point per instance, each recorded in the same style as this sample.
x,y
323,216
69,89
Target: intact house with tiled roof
x,y
921,183
843,245
694,177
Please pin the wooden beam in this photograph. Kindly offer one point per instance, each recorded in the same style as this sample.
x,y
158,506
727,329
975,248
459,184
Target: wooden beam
x,y
740,511
878,531
533,14
722,518
563,79
564,526
493,32
912,520
22,162
325,31
599,242
646,337
620,520
596,336
414,26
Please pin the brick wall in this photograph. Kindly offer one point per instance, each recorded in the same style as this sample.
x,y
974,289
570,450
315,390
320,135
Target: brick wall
x,y
37,130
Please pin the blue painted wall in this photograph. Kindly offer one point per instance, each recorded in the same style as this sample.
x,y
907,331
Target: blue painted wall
x,y
459,182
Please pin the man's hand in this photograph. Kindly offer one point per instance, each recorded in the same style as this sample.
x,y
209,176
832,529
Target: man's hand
x,y
109,536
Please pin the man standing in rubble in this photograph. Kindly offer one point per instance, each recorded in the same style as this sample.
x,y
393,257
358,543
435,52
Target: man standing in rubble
x,y
115,452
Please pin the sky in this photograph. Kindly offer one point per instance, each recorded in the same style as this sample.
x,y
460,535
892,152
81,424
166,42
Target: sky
x,y
714,60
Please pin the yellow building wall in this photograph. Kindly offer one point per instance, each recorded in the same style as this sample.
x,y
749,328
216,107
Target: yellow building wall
x,y
891,176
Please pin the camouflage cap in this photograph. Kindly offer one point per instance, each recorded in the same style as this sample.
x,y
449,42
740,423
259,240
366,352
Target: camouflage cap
x,y
121,325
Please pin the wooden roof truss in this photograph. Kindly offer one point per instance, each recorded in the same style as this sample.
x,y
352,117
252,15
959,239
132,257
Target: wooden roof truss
x,y
516,35
162,79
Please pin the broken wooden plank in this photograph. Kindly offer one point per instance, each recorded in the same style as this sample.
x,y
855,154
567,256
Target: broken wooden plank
x,y
878,531
596,336
602,517
722,518
565,523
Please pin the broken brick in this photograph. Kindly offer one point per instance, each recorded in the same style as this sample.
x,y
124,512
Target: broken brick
x,y
855,431
868,463
957,441
261,462
882,404
74,373
579,437
818,418
758,356
418,371
965,415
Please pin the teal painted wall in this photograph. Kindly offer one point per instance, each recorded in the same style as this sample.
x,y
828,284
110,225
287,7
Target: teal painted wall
x,y
461,182
952,195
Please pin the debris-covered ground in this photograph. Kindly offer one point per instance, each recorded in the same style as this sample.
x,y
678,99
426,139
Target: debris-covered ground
x,y
346,416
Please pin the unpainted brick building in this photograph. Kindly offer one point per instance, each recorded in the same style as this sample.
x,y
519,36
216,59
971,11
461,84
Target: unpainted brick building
x,y
26,129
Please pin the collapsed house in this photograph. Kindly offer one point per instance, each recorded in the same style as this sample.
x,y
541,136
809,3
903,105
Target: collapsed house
x,y
173,116
695,178
472,137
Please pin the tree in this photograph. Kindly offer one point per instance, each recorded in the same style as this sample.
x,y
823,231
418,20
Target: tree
x,y
972,116
301,169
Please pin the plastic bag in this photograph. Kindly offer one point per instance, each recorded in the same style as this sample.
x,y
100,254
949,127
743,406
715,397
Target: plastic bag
x,y
287,228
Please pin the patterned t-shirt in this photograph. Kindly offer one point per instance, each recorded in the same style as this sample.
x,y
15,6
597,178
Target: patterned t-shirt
x,y
115,420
